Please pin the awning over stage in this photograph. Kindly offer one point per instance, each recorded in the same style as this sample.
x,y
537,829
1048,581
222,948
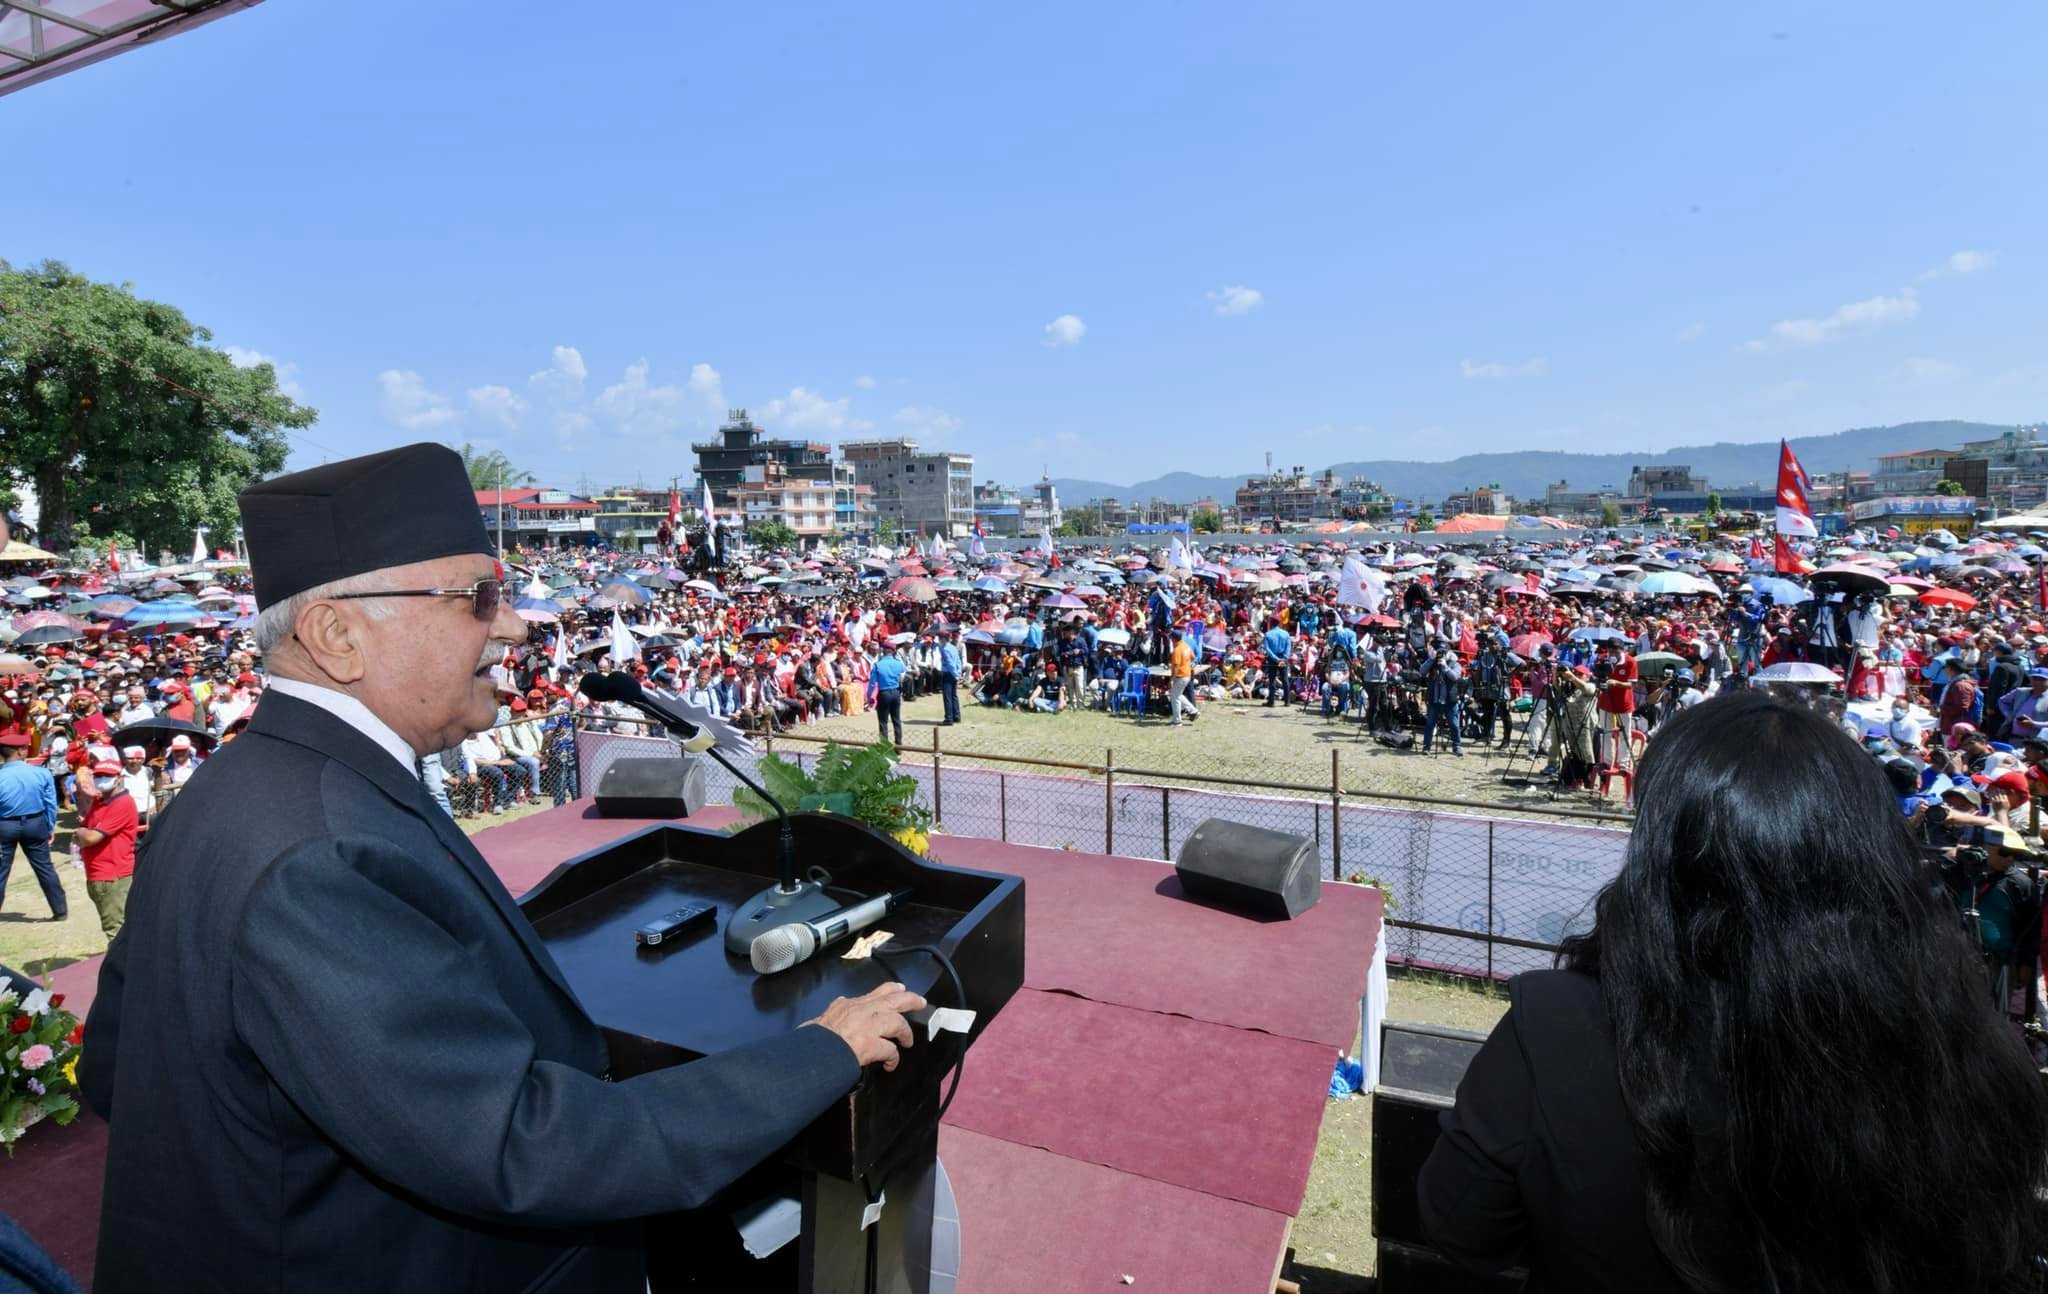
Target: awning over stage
x,y
40,39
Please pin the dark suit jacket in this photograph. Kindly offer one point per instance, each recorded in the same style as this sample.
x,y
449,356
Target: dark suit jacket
x,y
336,1057
1538,1163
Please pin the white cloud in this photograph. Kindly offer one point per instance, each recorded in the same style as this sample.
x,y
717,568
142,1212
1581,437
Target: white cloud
x,y
926,424
1857,316
1236,300
637,407
1065,331
806,410
287,374
409,403
1692,332
563,377
864,383
1964,262
707,386
570,424
497,403
1537,367
1928,372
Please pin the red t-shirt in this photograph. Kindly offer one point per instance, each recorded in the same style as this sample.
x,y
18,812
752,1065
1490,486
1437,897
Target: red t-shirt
x,y
1618,696
114,857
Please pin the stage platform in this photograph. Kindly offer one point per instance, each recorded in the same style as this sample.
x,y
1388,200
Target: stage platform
x,y
1146,1106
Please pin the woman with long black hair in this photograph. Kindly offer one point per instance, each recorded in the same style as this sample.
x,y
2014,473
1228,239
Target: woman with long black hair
x,y
1772,1063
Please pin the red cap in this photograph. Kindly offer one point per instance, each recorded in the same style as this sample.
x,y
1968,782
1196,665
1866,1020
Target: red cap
x,y
518,703
107,768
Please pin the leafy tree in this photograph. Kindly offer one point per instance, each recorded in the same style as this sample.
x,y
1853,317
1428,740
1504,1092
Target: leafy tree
x,y
492,470
886,530
771,534
1713,506
115,409
1610,516
1208,521
1425,520
1953,489
1081,521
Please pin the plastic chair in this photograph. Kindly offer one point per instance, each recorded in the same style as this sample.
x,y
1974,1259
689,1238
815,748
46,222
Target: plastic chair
x,y
1133,693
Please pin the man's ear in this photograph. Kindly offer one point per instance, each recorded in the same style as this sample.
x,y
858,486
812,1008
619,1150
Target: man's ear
x,y
333,642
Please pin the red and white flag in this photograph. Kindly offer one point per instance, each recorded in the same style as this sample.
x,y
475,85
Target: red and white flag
x,y
1756,547
675,511
1795,517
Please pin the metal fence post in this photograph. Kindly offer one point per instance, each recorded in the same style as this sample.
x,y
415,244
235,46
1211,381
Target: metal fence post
x,y
938,803
1003,807
1336,827
1489,898
1109,800
1166,824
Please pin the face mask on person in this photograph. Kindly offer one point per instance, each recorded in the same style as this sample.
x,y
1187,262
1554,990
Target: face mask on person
x,y
106,785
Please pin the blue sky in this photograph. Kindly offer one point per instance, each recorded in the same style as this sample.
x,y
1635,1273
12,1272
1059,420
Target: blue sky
x,y
1115,240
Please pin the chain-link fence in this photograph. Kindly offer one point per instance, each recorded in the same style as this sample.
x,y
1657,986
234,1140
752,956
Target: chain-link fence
x,y
1473,888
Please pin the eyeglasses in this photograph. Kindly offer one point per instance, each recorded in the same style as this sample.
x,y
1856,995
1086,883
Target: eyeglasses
x,y
485,596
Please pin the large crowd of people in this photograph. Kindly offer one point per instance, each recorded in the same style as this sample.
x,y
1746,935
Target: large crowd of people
x,y
1569,651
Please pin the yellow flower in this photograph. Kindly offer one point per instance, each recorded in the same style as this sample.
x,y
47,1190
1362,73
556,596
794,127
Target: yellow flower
x,y
917,842
71,1068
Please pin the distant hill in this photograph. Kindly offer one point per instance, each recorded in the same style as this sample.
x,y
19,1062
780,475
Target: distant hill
x,y
1525,473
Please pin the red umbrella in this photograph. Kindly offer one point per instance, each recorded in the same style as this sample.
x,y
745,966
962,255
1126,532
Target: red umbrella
x,y
1956,598
914,590
1526,644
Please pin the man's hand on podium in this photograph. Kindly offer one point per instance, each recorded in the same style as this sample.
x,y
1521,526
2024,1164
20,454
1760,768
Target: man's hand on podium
x,y
873,1024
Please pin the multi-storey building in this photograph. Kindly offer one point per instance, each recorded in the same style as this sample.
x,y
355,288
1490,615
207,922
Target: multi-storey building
x,y
921,493
723,463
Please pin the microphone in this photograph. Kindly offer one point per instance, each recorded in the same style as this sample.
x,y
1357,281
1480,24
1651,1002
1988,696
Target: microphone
x,y
774,907
783,947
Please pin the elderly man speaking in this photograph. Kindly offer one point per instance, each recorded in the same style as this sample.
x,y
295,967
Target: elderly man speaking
x,y
333,1053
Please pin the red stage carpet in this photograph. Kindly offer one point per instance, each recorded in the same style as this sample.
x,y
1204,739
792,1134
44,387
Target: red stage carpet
x,y
1147,1106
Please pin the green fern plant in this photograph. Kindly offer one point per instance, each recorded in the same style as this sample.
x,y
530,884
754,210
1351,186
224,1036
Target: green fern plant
x,y
859,782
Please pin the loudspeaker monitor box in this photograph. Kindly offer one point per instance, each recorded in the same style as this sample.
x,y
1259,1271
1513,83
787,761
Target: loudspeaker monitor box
x,y
651,787
1256,871
1420,1066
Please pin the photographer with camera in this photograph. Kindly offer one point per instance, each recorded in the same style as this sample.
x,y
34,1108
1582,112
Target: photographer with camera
x,y
1444,678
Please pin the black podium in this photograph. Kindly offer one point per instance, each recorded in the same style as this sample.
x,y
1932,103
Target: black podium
x,y
674,1005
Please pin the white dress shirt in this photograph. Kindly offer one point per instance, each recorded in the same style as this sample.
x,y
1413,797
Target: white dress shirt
x,y
353,713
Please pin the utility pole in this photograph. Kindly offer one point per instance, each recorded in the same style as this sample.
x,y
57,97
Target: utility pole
x,y
501,512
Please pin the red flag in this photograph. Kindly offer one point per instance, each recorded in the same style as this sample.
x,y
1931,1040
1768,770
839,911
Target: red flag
x,y
1532,581
675,510
113,558
1756,547
2041,586
1795,517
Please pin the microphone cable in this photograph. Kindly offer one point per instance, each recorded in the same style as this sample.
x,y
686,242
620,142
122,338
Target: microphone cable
x,y
873,1190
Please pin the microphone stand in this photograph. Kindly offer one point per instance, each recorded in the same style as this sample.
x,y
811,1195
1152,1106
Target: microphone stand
x,y
789,900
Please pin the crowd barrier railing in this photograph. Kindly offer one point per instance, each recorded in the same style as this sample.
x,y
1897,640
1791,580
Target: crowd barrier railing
x,y
1472,888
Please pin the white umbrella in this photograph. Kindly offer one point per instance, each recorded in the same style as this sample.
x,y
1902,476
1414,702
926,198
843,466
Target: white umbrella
x,y
1796,671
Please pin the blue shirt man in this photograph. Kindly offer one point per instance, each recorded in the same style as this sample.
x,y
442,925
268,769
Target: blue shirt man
x,y
951,663
1276,643
887,674
27,790
1343,642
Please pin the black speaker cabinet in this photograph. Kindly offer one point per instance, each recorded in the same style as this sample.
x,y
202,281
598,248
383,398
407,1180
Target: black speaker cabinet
x,y
1256,871
651,787
1420,1066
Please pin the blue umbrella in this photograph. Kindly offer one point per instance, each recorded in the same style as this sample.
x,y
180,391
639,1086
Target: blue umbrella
x,y
1781,592
990,584
163,613
1599,634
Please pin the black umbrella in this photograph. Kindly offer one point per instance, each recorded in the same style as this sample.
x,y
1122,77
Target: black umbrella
x,y
42,634
154,735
